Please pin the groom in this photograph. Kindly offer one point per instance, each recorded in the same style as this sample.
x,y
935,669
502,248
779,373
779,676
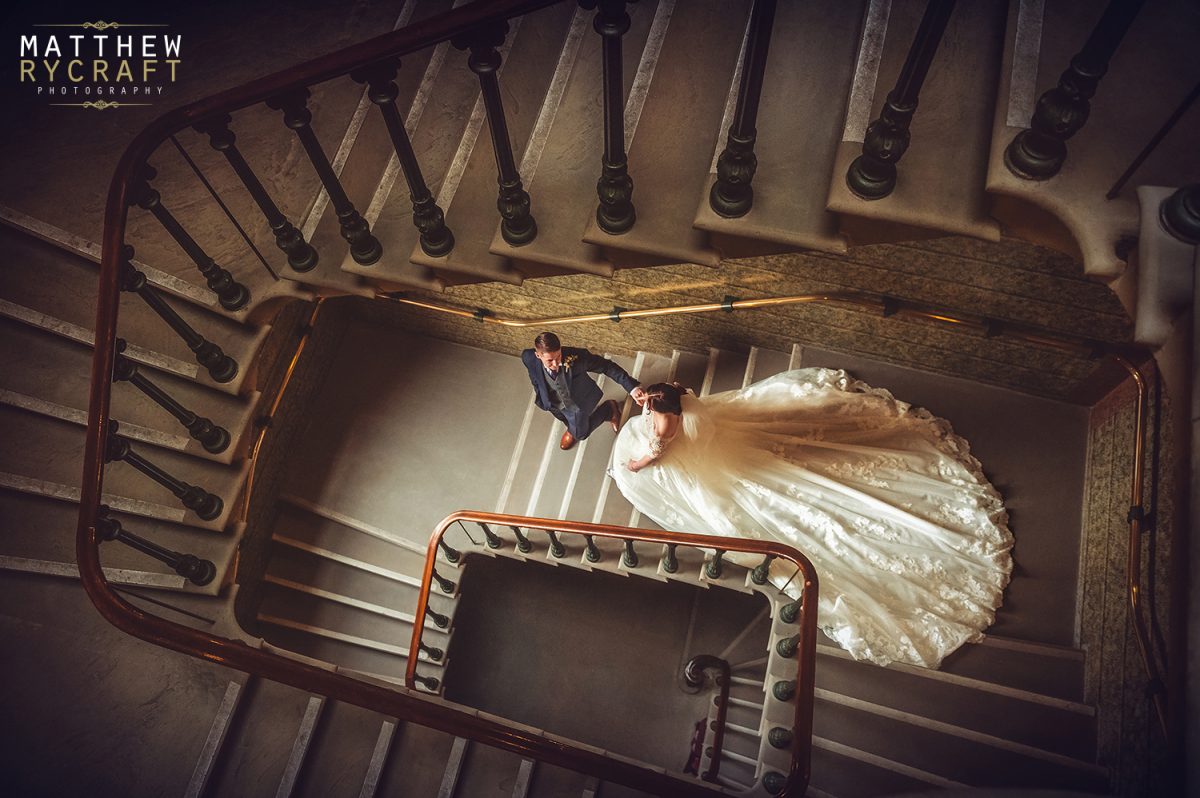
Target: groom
x,y
562,386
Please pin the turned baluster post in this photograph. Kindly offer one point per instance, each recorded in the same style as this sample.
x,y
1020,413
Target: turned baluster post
x,y
615,213
364,247
523,544
230,293
445,584
204,504
788,646
784,690
732,195
1180,214
557,550
220,366
1039,151
713,569
433,653
493,540
213,438
669,564
452,554
517,225
301,255
630,558
192,568
430,683
591,552
788,613
439,620
436,238
872,175
759,575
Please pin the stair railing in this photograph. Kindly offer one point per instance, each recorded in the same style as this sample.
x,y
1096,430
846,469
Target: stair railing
x,y
801,646
102,442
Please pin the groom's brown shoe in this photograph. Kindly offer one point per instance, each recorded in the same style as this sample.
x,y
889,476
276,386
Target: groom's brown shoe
x,y
614,417
567,441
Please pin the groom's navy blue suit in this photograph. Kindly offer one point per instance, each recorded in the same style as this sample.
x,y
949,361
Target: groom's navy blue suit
x,y
579,411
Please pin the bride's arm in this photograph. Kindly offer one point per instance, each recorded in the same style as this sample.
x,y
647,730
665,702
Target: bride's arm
x,y
657,446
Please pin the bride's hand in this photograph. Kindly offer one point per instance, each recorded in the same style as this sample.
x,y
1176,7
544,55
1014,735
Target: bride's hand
x,y
633,465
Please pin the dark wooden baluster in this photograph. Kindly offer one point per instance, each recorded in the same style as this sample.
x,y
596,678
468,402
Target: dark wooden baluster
x,y
231,294
1180,214
630,558
220,366
192,568
733,195
784,690
493,540
713,569
517,225
204,504
557,549
759,575
364,247
669,563
615,213
301,255
436,238
213,438
439,620
591,552
432,652
523,544
872,176
1038,152
452,554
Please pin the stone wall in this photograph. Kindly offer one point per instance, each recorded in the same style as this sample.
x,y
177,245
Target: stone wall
x,y
1010,280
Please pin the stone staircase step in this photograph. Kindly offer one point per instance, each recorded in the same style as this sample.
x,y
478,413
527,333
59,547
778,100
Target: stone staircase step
x,y
726,371
468,192
1123,118
340,754
318,526
564,193
940,185
810,65
257,747
1038,668
550,781
488,771
417,762
58,371
689,370
62,286
46,450
42,529
766,363
949,751
190,288
847,772
1068,730
680,98
372,171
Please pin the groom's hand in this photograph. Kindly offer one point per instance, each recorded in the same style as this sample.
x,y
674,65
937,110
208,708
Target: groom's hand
x,y
638,395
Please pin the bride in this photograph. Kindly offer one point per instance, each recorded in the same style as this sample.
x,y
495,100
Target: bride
x,y
909,539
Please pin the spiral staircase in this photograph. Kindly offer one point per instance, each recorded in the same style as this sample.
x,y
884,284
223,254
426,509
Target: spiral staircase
x,y
205,352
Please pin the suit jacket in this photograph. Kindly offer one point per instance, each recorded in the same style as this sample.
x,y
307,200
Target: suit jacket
x,y
577,362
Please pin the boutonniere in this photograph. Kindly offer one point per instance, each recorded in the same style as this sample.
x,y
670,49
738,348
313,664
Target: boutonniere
x,y
568,360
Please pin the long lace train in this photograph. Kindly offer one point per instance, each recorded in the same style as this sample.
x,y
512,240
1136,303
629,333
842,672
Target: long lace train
x,y
909,539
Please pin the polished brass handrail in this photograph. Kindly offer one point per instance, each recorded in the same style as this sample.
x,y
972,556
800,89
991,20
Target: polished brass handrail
x,y
889,306
807,586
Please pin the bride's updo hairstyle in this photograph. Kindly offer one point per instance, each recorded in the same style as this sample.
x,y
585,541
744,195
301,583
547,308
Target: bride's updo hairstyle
x,y
665,398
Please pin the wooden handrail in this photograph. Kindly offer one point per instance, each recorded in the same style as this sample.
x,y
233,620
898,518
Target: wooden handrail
x,y
800,770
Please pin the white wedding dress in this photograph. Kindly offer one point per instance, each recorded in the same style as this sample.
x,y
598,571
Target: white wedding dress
x,y
909,539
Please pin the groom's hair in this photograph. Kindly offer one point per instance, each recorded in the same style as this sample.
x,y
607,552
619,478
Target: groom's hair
x,y
547,342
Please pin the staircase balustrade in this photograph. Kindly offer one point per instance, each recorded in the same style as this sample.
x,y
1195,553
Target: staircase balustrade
x,y
872,175
452,554
714,567
493,540
517,225
301,255
669,563
591,551
445,584
196,570
433,653
693,677
523,544
760,572
435,237
215,439
364,246
220,366
801,646
789,612
629,558
1180,214
615,213
230,293
732,195
206,505
1039,151
557,550
439,620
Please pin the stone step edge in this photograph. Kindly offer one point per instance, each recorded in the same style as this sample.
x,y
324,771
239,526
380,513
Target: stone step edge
x,y
117,576
970,683
342,637
78,417
962,733
347,521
